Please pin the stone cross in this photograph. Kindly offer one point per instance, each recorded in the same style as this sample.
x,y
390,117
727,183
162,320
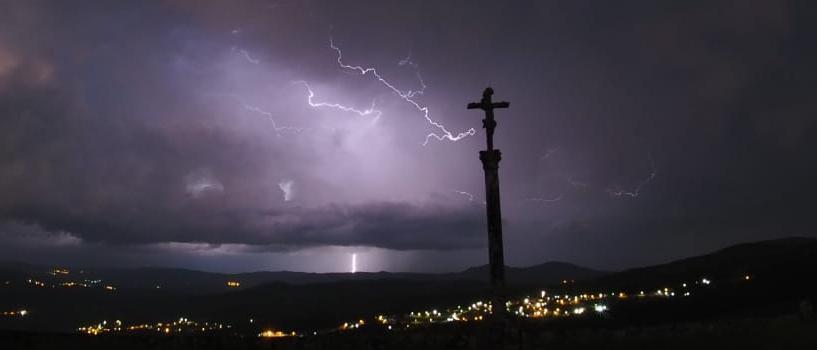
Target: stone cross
x,y
486,105
490,164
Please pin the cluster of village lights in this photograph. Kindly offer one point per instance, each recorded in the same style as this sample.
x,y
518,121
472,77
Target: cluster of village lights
x,y
182,325
71,284
15,313
541,306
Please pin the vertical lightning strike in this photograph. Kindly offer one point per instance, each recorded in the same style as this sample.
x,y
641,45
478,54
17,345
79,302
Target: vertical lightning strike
x,y
617,192
354,262
408,97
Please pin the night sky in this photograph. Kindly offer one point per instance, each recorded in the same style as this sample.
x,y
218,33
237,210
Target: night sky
x,y
231,136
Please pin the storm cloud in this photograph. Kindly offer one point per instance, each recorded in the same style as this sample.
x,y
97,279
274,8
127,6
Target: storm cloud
x,y
660,129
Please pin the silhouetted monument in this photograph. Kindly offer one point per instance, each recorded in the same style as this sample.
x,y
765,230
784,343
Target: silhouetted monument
x,y
490,163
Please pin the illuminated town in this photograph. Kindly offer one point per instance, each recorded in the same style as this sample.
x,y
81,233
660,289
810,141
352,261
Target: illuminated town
x,y
182,325
85,283
540,306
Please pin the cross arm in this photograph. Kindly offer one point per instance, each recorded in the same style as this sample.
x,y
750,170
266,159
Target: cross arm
x,y
480,105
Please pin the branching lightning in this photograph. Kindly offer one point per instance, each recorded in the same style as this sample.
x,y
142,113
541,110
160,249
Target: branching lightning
x,y
278,129
612,191
371,111
407,62
618,192
408,97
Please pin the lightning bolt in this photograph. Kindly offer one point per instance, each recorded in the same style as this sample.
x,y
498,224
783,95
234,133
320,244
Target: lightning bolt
x,y
422,90
549,153
547,200
407,62
371,111
466,194
612,191
244,53
470,197
575,183
249,58
405,96
278,129
618,192
258,110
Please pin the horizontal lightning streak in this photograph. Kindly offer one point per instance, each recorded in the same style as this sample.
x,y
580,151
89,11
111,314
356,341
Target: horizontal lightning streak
x,y
371,111
575,183
466,194
547,200
635,192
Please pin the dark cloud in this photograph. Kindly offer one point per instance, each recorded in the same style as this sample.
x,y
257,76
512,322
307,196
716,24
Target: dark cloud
x,y
397,226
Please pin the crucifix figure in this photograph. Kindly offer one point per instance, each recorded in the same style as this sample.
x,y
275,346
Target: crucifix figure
x,y
490,164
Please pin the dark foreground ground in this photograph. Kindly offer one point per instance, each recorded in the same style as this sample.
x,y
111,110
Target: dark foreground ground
x,y
782,332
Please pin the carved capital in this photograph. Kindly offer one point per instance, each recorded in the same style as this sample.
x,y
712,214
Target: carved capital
x,y
490,159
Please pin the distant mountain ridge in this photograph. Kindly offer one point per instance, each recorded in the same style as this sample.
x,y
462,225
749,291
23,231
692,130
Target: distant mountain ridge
x,y
780,272
174,279
766,259
551,272
746,258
